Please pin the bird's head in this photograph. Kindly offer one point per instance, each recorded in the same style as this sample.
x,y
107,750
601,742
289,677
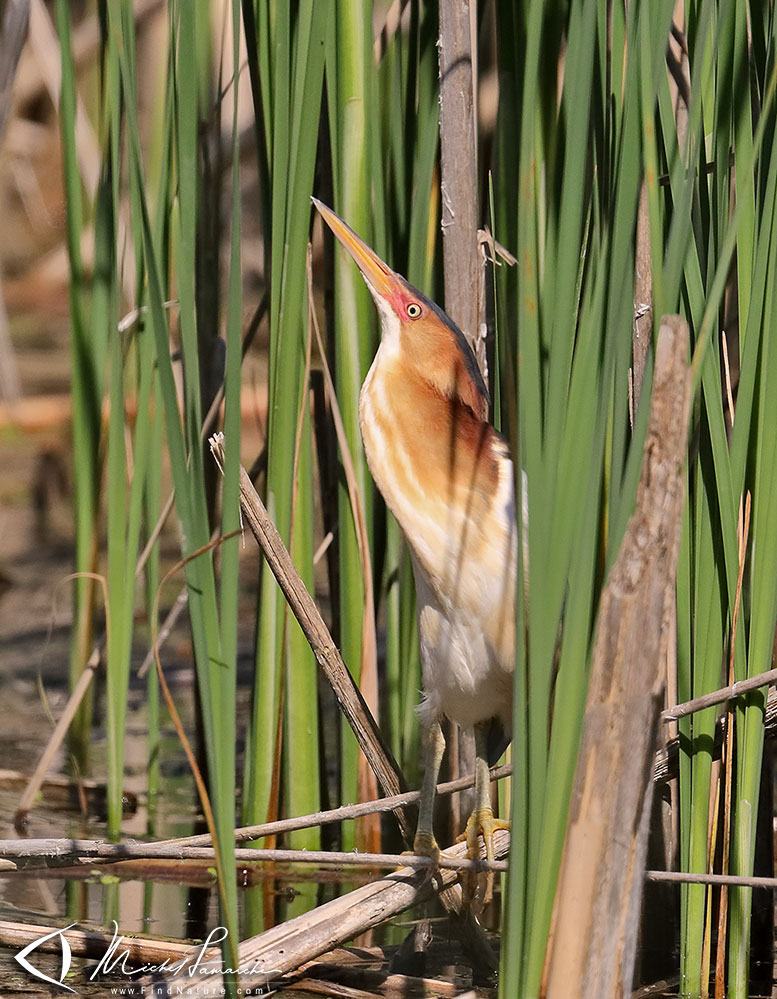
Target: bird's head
x,y
413,327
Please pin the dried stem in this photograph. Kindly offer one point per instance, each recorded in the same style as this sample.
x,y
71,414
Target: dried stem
x,y
247,833
327,655
767,679
286,947
91,849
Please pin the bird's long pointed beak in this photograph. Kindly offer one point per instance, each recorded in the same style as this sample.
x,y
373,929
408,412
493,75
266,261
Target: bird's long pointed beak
x,y
378,275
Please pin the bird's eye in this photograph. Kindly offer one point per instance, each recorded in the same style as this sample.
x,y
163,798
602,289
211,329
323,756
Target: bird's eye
x,y
414,310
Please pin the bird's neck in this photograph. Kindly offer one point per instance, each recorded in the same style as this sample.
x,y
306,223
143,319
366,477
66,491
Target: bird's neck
x,y
430,457
389,431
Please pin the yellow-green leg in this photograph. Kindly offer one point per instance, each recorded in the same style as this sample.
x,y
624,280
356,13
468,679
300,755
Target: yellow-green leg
x,y
424,843
482,818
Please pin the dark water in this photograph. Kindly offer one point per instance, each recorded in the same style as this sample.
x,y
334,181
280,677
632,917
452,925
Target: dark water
x,y
45,894
175,901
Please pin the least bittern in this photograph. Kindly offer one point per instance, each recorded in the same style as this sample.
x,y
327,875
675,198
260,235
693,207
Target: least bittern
x,y
447,477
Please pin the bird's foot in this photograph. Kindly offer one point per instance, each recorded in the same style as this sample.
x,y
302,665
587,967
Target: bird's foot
x,y
425,845
481,821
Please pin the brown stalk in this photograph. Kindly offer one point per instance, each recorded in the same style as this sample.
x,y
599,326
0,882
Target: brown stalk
x,y
462,260
600,883
90,943
286,947
345,965
55,741
732,880
89,850
767,679
340,814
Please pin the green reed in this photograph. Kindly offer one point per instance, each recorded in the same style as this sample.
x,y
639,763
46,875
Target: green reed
x,y
571,205
585,117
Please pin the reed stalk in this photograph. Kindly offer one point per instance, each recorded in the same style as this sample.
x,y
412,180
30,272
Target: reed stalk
x,y
88,367
286,62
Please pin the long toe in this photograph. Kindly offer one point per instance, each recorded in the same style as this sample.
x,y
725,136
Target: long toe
x,y
481,821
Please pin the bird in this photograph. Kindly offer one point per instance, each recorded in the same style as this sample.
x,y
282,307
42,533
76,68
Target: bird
x,y
447,476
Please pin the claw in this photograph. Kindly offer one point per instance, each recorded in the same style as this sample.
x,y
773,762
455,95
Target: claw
x,y
481,821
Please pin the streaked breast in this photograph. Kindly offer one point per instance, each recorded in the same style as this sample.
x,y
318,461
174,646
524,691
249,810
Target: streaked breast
x,y
448,479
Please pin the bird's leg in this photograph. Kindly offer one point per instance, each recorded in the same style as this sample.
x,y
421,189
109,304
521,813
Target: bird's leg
x,y
482,818
424,843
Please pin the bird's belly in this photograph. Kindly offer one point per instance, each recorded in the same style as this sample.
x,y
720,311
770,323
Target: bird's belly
x,y
461,533
466,678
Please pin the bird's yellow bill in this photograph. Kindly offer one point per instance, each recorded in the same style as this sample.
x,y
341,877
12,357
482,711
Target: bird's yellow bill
x,y
377,274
